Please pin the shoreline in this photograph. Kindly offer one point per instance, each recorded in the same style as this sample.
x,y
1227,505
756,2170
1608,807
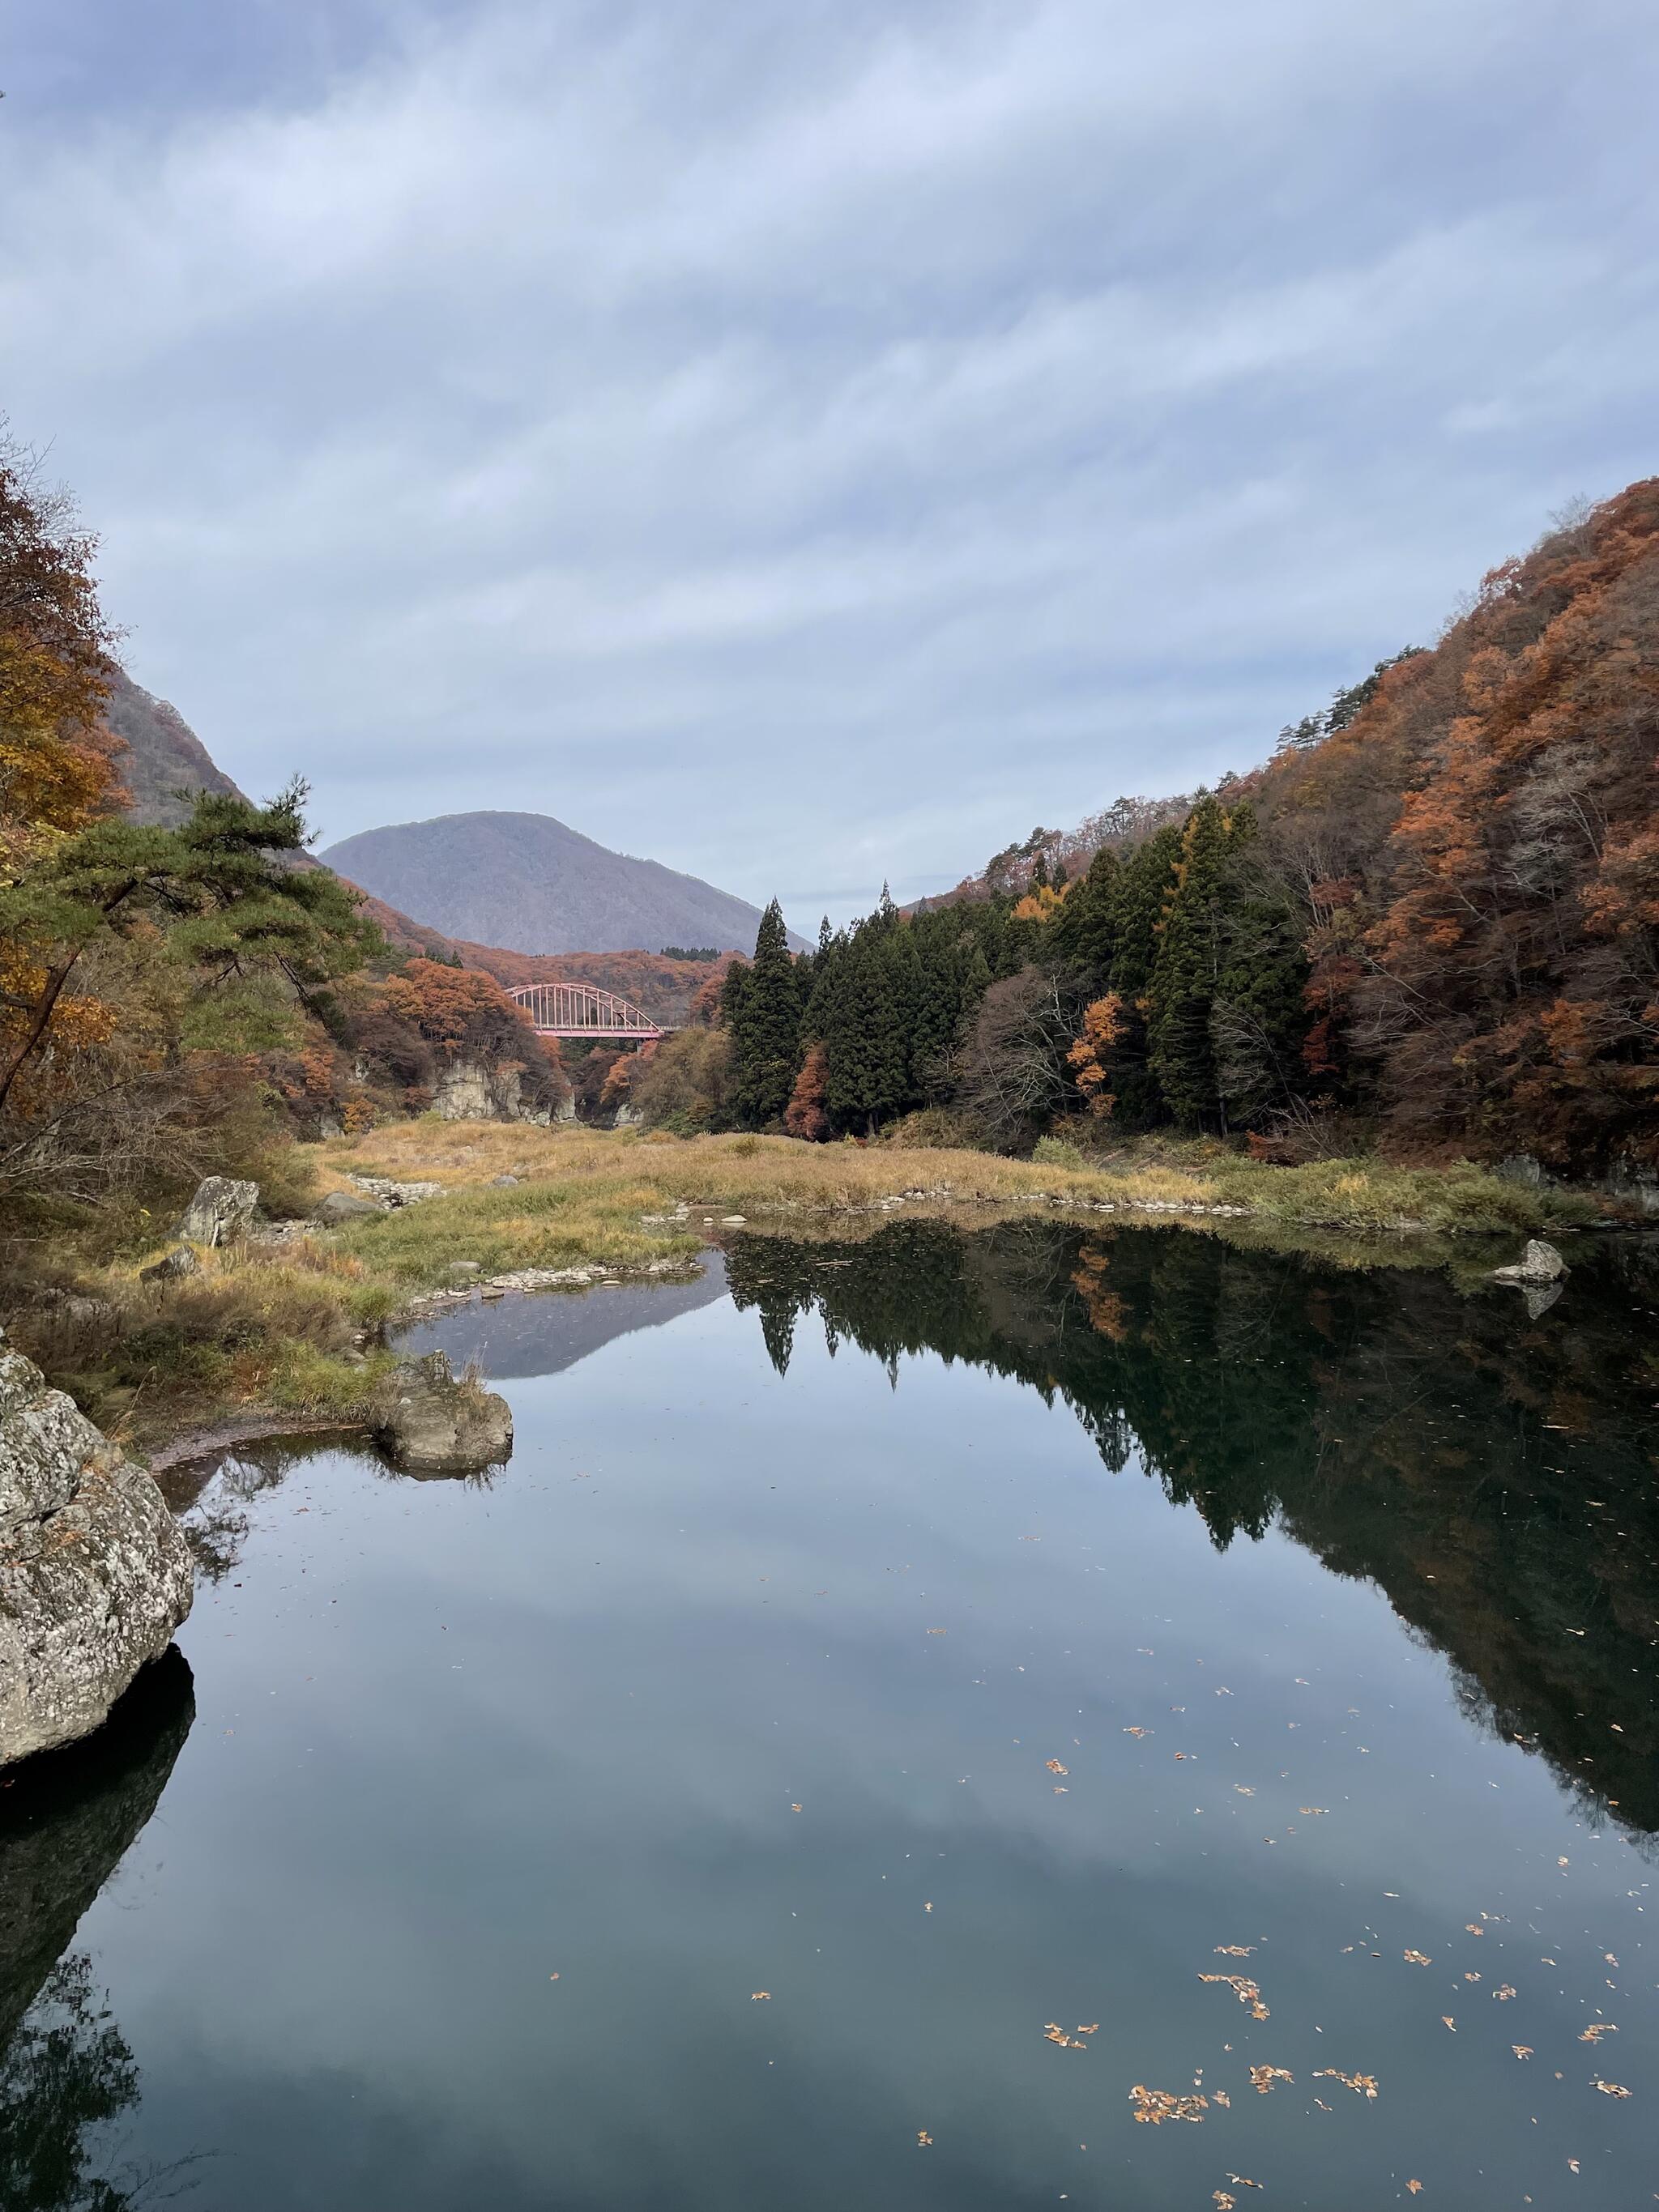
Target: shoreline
x,y
287,1332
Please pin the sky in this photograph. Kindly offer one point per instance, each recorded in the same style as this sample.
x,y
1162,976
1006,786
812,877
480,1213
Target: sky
x,y
811,442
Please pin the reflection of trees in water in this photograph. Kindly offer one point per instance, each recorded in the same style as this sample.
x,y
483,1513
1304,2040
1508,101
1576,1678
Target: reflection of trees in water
x,y
1493,1472
66,2072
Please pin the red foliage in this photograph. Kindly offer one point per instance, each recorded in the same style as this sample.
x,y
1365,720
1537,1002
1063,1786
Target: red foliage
x,y
806,1114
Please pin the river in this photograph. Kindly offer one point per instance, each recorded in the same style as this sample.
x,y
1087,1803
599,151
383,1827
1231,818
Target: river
x,y
944,1720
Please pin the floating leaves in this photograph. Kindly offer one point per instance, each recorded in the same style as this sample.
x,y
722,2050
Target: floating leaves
x,y
1504,1993
1244,1990
924,2141
1234,1950
1417,1959
1363,2085
1474,1928
1314,1811
760,1997
1054,1766
1137,1731
1446,2021
1596,2030
1263,2078
1053,2033
1522,2050
1607,2088
1415,2188
1221,2201
1157,2106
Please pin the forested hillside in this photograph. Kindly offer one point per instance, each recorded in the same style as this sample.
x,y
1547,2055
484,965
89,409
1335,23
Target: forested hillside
x,y
1431,920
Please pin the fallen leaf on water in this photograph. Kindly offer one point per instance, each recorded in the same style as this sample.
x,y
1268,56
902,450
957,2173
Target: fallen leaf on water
x,y
1596,2030
1504,1993
1417,1958
1234,1950
1241,1791
1572,2166
1415,2187
922,2138
1157,2106
1446,2021
1220,2097
1053,2033
1244,1990
1054,1766
1093,2028
927,1908
794,1808
1314,1812
1607,2088
938,1632
1472,1928
1522,2050
1137,1731
1363,2085
1221,2201
1263,2078
759,1996
1470,1977
1243,2181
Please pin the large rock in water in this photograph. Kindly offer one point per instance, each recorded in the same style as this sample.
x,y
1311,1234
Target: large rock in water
x,y
220,1210
435,1425
1540,1263
94,1571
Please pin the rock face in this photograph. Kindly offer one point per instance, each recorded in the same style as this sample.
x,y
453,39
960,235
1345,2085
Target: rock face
x,y
474,1090
94,1573
220,1210
435,1425
1541,1263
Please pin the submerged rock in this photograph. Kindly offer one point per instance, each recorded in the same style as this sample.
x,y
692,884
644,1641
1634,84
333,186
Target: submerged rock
x,y
435,1424
220,1210
1540,1263
94,1572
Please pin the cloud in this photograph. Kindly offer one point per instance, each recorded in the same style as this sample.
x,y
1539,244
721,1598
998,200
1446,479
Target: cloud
x,y
810,446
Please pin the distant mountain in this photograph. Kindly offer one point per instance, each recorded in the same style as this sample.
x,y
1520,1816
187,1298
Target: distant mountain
x,y
528,883
164,755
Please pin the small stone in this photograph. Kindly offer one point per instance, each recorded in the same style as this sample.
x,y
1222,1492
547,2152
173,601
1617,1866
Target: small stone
x,y
172,1266
344,1206
732,1220
504,1182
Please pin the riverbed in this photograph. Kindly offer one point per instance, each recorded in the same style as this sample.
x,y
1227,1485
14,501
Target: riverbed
x,y
950,1719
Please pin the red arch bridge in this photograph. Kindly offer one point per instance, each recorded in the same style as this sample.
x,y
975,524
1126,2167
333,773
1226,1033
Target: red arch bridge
x,y
578,1010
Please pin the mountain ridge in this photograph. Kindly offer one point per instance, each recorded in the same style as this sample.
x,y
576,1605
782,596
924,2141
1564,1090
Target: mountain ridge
x,y
529,883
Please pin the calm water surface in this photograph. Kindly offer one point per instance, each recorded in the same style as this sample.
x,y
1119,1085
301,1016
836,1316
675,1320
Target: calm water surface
x,y
875,1660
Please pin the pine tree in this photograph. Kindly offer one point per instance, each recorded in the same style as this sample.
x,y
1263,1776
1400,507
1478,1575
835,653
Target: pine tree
x,y
1084,933
763,1014
1187,970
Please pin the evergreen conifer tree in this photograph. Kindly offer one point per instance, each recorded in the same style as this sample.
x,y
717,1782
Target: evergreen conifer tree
x,y
1188,967
763,1014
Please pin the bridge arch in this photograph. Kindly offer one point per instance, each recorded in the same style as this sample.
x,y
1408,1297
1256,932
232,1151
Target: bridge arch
x,y
581,1010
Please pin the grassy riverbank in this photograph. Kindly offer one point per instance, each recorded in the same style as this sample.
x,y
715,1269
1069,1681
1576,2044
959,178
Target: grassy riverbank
x,y
292,1327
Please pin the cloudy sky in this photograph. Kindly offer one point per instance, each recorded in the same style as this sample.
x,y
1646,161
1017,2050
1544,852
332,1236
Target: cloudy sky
x,y
808,442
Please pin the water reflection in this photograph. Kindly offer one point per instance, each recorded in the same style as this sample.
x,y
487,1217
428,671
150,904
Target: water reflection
x,y
66,2070
1492,1471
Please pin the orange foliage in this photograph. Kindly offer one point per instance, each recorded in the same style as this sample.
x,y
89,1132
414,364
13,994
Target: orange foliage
x,y
1089,1057
806,1114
